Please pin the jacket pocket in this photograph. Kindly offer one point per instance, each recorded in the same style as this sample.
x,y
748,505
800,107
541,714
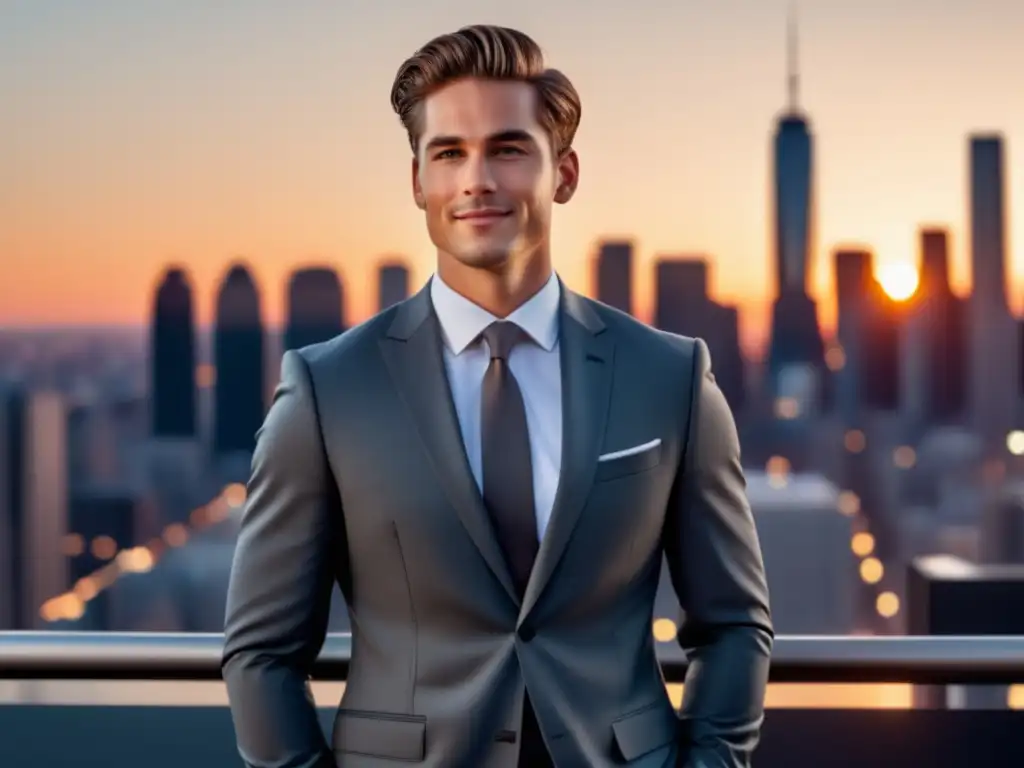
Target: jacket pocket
x,y
380,734
646,729
631,464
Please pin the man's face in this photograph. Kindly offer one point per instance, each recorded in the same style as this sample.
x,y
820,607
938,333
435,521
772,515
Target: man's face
x,y
484,173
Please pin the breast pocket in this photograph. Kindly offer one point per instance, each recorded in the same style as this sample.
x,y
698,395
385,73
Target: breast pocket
x,y
629,461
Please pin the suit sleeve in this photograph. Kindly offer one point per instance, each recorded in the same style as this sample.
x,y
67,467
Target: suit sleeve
x,y
291,546
715,561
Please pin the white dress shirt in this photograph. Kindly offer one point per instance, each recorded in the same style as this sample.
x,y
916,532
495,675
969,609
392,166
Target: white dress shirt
x,y
537,369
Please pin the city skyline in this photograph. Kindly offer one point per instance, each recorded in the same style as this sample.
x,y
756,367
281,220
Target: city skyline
x,y
185,190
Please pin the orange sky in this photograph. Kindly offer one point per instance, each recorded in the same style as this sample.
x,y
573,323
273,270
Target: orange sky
x,y
196,135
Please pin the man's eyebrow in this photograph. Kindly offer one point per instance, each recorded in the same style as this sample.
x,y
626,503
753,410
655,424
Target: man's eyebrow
x,y
443,141
514,134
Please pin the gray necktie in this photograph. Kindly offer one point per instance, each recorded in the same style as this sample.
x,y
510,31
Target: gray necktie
x,y
507,469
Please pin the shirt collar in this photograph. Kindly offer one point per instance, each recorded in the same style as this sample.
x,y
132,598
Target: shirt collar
x,y
462,321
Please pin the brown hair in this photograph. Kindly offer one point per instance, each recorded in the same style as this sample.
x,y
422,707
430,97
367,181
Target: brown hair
x,y
489,52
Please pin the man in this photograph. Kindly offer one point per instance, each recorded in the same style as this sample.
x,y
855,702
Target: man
x,y
493,471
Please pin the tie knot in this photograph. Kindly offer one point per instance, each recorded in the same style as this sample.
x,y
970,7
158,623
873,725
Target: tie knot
x,y
501,336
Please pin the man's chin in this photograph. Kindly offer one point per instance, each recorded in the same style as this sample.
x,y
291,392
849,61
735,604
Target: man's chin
x,y
485,258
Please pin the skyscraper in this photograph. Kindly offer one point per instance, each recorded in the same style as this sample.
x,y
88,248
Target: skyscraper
x,y
988,220
727,356
33,505
868,331
681,293
796,352
993,348
853,279
943,343
614,275
239,360
793,159
934,268
173,358
315,307
683,305
392,285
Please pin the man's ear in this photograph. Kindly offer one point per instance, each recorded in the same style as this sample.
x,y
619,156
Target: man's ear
x,y
417,190
568,172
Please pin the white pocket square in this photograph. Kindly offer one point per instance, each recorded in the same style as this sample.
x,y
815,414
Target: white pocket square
x,y
630,451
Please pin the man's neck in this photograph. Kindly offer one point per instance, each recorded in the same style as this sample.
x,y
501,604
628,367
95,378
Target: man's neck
x,y
499,292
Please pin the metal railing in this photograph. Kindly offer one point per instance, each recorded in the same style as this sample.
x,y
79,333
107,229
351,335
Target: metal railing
x,y
929,660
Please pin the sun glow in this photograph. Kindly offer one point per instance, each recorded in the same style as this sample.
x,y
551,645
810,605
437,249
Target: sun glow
x,y
898,280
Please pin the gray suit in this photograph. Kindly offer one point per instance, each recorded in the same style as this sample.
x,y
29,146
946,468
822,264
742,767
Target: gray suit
x,y
360,478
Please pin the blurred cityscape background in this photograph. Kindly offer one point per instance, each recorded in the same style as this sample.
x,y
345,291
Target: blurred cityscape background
x,y
880,400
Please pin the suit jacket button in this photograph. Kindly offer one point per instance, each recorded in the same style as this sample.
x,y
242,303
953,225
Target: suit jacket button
x,y
526,633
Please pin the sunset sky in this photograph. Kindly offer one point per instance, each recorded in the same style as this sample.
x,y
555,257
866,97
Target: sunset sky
x,y
141,132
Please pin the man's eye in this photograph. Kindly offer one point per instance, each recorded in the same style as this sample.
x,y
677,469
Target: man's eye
x,y
446,154
509,151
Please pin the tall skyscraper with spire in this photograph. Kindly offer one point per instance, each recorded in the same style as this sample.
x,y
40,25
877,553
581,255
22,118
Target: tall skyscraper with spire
x,y
793,160
796,367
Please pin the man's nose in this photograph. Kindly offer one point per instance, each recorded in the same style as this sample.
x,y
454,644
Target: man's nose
x,y
478,176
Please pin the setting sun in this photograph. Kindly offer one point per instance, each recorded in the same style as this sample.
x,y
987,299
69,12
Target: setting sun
x,y
898,280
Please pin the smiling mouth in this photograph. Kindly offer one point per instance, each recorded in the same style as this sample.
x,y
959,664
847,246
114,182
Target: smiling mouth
x,y
482,216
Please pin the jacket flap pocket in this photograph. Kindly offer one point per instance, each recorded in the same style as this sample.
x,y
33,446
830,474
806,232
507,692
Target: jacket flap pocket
x,y
645,730
380,734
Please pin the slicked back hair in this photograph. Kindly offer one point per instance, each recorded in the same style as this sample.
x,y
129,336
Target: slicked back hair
x,y
491,53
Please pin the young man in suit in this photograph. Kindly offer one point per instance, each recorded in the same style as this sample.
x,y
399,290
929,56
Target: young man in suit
x,y
493,471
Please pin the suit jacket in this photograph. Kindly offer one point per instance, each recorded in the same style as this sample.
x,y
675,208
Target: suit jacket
x,y
360,478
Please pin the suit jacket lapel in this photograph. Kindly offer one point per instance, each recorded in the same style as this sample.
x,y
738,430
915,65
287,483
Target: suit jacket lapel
x,y
587,353
413,351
